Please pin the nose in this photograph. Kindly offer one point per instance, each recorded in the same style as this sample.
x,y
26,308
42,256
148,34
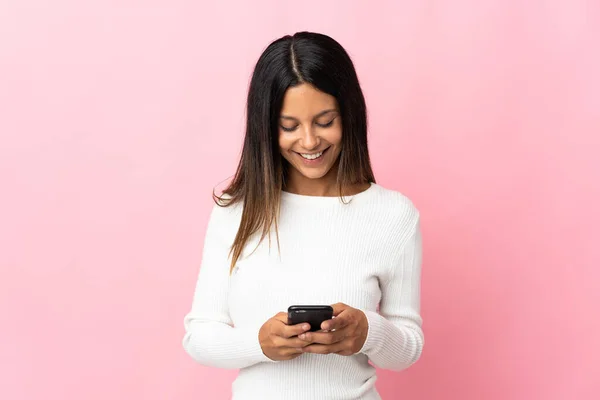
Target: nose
x,y
309,139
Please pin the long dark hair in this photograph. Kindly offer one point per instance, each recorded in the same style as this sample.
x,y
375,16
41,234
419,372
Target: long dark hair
x,y
305,57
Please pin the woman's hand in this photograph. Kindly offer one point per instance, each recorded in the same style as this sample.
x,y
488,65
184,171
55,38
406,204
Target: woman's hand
x,y
280,341
346,334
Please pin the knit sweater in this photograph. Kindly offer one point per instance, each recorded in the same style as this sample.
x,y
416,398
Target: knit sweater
x,y
366,254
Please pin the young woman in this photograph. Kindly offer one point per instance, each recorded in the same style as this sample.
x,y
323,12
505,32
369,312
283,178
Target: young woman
x,y
305,179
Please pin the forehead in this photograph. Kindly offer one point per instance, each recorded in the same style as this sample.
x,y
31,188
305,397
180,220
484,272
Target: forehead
x,y
306,101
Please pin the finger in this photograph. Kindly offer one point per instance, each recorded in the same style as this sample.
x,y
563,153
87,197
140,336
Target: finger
x,y
323,337
324,348
344,352
338,308
283,344
280,323
289,331
291,351
294,342
290,357
337,323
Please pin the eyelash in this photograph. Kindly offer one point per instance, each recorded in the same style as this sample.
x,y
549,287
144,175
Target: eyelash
x,y
327,125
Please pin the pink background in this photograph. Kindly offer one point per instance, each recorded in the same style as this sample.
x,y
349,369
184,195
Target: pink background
x,y
118,117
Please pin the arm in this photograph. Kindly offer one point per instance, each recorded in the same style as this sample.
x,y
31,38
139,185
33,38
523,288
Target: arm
x,y
395,339
210,337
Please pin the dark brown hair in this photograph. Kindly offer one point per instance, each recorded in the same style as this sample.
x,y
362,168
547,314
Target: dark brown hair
x,y
289,61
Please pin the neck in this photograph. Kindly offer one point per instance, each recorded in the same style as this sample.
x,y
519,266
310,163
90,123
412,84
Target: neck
x,y
324,187
300,184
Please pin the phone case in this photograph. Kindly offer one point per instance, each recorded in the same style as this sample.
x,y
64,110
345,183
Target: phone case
x,y
314,315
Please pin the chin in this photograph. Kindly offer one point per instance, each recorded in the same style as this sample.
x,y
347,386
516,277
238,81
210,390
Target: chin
x,y
314,174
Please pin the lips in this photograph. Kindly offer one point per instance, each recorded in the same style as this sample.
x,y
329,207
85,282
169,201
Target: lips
x,y
324,151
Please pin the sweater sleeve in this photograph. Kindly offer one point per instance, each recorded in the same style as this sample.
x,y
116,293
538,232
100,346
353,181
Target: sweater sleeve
x,y
210,337
395,338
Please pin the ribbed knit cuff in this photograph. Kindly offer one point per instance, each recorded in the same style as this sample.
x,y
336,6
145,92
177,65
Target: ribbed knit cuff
x,y
375,334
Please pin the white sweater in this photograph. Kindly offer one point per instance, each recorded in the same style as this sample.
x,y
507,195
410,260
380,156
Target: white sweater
x,y
364,253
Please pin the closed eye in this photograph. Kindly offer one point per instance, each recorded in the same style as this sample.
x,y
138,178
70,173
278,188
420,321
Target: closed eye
x,y
327,125
289,129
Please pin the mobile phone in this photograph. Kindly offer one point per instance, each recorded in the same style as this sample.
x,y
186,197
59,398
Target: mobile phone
x,y
314,315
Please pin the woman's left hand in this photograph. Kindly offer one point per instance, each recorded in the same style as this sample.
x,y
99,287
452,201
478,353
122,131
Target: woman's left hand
x,y
346,334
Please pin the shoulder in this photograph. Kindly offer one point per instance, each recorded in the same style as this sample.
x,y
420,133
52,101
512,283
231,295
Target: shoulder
x,y
396,206
395,214
225,217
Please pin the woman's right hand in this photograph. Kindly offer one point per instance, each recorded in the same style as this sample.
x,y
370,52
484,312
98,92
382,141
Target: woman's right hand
x,y
279,341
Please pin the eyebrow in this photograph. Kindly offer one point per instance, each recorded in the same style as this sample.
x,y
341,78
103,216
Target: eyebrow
x,y
316,116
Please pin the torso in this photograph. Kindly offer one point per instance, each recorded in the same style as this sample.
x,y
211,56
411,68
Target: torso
x,y
330,252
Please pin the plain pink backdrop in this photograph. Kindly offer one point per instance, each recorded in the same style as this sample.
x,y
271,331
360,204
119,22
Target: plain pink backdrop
x,y
117,118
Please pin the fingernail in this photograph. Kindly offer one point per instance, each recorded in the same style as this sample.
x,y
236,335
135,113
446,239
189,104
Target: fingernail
x,y
325,326
302,336
306,327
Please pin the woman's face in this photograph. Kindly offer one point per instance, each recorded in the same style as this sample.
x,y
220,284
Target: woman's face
x,y
310,131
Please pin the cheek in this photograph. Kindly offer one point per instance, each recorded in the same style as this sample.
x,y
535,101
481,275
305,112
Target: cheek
x,y
284,148
284,144
336,136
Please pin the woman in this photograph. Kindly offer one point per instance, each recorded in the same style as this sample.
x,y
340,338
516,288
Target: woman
x,y
305,177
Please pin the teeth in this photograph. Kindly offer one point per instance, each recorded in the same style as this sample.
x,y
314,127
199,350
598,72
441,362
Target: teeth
x,y
312,156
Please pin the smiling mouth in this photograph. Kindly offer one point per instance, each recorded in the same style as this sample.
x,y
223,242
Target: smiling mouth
x,y
311,156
